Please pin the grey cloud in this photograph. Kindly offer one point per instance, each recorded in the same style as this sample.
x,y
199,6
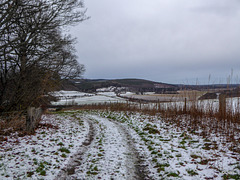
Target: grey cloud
x,y
166,41
219,7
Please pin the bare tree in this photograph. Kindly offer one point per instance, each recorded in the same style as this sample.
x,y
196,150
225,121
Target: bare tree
x,y
34,54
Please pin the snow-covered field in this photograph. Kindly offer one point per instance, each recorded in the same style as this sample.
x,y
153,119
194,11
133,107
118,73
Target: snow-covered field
x,y
80,98
115,145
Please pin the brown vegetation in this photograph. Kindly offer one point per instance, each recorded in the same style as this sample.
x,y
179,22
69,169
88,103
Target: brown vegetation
x,y
196,117
11,123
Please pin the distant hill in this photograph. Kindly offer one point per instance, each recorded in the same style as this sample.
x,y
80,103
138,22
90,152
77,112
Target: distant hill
x,y
210,87
140,85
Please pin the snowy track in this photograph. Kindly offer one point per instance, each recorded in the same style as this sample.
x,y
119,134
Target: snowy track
x,y
111,155
76,159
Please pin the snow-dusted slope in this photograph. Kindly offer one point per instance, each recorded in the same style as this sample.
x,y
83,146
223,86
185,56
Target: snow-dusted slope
x,y
80,98
111,145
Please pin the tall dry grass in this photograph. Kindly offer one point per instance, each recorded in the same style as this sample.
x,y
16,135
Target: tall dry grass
x,y
200,117
12,122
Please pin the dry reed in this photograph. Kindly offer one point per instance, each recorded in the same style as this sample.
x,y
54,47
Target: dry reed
x,y
199,118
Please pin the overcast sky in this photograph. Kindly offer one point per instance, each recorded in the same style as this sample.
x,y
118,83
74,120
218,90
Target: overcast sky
x,y
172,41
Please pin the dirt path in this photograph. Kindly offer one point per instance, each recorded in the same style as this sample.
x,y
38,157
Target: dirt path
x,y
107,153
135,158
76,159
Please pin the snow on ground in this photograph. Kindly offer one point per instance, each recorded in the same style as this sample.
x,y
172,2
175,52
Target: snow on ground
x,y
180,154
149,93
111,94
111,89
109,156
117,145
69,94
126,94
79,98
96,99
42,154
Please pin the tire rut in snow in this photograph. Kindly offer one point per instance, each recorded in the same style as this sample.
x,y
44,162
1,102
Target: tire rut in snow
x,y
123,151
76,159
137,160
120,149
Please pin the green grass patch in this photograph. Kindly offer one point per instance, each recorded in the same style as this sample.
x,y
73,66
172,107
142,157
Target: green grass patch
x,y
92,173
63,149
191,172
204,162
150,148
178,155
183,147
151,129
183,142
30,173
60,144
172,174
159,155
155,160
160,169
100,155
231,176
162,165
64,155
41,169
165,140
194,141
154,152
194,156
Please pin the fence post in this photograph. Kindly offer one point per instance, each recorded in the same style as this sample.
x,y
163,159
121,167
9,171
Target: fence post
x,y
222,105
29,120
185,105
32,119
